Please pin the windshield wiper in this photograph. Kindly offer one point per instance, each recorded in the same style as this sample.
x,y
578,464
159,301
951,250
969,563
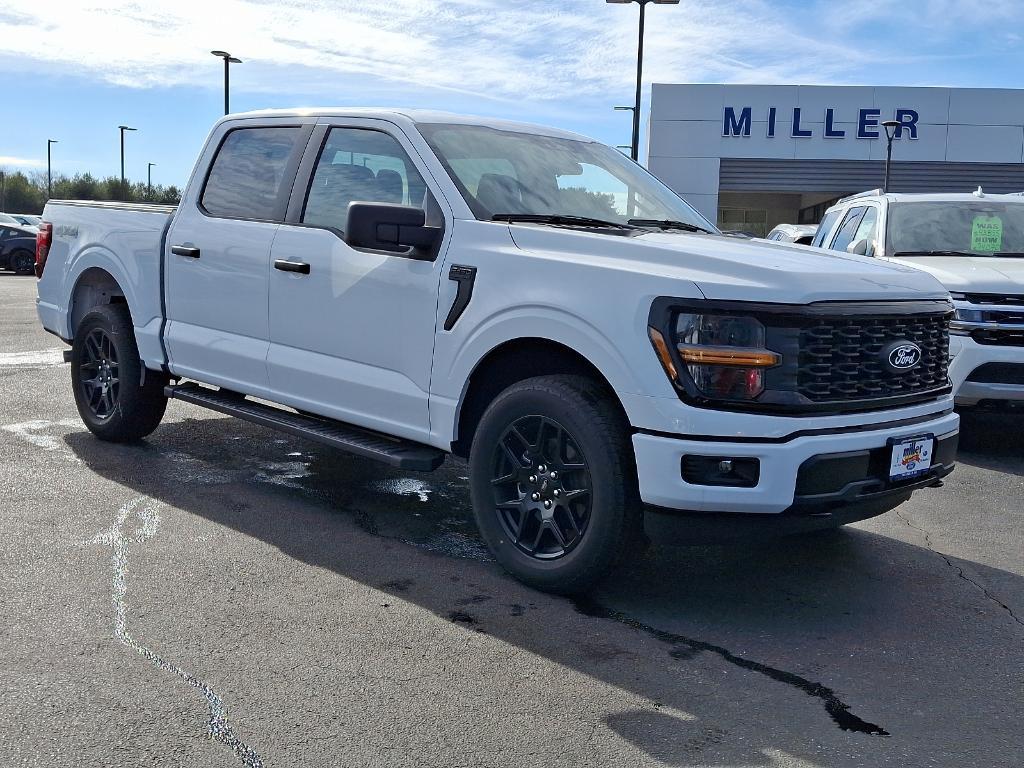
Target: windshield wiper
x,y
1009,254
669,224
558,218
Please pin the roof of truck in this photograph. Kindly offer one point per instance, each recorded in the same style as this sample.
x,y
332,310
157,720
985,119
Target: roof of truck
x,y
399,115
935,197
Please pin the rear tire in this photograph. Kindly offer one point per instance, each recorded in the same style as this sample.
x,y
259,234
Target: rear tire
x,y
106,372
553,482
23,262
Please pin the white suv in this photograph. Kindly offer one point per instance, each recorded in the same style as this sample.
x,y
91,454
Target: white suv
x,y
974,244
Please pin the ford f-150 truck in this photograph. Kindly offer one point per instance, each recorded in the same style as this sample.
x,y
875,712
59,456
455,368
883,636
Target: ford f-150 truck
x,y
404,285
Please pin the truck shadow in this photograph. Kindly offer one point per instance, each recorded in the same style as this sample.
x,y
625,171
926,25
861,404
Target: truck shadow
x,y
698,630
992,440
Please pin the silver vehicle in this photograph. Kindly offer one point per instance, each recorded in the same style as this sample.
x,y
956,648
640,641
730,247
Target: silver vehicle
x,y
801,234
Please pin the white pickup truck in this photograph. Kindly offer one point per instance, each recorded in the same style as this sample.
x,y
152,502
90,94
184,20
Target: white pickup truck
x,y
405,285
973,243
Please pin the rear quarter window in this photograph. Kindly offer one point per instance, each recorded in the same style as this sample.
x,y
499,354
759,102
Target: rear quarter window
x,y
246,177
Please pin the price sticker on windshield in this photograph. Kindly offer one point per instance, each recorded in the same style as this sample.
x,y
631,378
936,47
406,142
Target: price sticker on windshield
x,y
987,234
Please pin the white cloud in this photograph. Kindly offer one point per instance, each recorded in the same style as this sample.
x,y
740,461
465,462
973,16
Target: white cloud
x,y
500,49
10,161
506,49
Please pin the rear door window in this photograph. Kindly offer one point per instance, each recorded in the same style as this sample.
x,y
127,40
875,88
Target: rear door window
x,y
848,229
247,178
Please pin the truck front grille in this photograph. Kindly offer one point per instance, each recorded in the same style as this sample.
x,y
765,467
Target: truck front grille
x,y
842,358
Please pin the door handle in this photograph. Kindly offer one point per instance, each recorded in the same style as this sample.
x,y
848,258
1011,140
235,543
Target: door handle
x,y
185,250
292,266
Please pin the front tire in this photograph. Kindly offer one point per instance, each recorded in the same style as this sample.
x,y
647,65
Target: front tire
x,y
553,482
106,372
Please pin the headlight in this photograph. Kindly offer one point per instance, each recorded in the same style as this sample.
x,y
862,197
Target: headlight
x,y
724,356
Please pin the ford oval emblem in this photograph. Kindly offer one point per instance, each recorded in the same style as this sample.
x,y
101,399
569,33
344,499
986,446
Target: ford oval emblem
x,y
901,356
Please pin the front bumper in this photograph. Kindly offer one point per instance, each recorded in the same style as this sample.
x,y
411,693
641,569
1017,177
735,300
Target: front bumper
x,y
786,462
972,385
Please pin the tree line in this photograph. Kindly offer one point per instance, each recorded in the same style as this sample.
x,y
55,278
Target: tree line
x,y
26,193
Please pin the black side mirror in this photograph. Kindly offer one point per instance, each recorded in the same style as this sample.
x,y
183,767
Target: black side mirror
x,y
391,227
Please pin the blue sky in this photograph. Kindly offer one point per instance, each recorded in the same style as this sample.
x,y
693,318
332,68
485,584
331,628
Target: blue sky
x,y
77,69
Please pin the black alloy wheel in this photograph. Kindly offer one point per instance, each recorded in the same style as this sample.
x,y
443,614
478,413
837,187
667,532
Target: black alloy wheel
x,y
553,481
24,263
100,380
542,487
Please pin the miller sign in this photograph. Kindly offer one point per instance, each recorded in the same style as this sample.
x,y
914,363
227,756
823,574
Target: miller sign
x,y
738,123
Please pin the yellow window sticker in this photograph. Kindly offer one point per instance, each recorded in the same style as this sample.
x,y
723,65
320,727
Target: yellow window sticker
x,y
987,234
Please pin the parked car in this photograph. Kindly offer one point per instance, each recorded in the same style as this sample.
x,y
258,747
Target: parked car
x,y
405,285
974,244
17,249
801,234
6,218
26,219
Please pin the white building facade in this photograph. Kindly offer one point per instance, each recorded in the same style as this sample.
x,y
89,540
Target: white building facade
x,y
752,156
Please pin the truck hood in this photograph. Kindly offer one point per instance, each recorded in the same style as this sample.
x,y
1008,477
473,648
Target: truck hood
x,y
972,274
732,269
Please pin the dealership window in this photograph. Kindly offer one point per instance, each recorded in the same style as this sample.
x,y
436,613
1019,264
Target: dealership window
x,y
754,221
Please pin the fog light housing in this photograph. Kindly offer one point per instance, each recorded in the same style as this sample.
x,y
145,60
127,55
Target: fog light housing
x,y
721,471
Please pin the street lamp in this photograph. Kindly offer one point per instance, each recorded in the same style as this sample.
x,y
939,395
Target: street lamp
x,y
890,134
49,168
228,61
640,66
122,129
149,178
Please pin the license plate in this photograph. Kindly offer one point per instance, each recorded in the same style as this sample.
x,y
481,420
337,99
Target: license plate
x,y
911,457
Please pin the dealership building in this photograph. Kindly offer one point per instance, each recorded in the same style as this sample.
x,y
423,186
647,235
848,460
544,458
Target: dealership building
x,y
752,156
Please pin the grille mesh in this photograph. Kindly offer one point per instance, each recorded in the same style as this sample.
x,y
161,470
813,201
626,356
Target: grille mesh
x,y
841,358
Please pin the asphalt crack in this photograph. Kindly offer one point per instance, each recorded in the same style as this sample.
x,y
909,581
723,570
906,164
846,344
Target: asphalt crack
x,y
689,647
120,543
959,571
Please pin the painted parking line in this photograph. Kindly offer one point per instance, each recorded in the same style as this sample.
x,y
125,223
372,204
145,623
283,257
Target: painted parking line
x,y
137,521
36,432
40,358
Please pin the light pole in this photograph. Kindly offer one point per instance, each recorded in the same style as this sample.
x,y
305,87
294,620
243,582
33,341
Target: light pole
x,y
49,168
228,61
122,129
149,178
640,66
890,134
626,109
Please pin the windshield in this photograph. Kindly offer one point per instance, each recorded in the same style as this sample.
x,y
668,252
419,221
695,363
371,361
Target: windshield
x,y
982,228
508,172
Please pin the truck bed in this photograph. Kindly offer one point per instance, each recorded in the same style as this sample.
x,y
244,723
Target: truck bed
x,y
93,242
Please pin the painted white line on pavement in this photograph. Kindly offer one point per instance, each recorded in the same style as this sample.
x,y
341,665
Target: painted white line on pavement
x,y
34,432
40,358
119,539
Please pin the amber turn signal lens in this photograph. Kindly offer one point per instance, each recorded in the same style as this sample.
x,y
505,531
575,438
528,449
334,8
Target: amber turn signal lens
x,y
707,355
663,354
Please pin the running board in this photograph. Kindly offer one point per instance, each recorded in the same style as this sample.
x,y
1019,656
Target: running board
x,y
403,454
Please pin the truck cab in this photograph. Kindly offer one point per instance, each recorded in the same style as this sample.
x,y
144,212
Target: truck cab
x,y
406,285
973,244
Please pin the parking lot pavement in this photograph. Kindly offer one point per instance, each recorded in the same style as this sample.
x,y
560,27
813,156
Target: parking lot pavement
x,y
224,595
